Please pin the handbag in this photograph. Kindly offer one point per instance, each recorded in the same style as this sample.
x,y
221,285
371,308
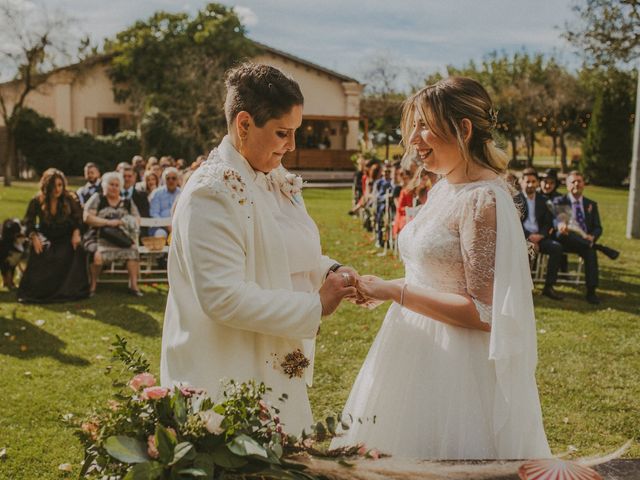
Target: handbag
x,y
116,236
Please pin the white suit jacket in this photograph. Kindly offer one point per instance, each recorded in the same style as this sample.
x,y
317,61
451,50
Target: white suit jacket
x,y
232,312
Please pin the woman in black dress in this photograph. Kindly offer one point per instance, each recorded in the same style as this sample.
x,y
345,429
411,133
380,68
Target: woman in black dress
x,y
57,269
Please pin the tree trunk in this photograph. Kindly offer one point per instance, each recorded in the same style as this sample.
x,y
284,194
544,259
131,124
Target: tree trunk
x,y
9,157
514,148
530,140
563,152
554,139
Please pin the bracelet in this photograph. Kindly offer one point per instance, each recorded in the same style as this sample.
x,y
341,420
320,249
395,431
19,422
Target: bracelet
x,y
333,268
404,287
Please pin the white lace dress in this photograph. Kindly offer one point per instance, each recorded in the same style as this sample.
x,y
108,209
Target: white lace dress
x,y
427,389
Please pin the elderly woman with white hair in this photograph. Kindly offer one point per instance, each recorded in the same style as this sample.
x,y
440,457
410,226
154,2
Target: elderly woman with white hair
x,y
163,198
117,223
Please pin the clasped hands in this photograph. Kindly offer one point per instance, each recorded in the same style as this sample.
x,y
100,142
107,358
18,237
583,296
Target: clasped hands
x,y
346,283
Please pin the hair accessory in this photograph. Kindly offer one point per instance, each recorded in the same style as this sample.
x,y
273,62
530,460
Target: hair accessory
x,y
493,117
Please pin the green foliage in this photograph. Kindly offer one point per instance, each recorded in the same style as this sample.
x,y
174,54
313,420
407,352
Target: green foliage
x,y
45,146
606,155
175,63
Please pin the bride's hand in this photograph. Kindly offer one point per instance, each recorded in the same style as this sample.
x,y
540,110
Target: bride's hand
x,y
371,286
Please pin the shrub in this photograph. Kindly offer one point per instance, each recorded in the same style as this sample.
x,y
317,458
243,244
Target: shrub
x,y
607,149
45,146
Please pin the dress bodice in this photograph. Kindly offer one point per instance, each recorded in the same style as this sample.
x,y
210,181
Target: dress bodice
x,y
450,245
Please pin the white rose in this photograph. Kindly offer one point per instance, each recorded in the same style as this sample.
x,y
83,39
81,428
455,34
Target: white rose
x,y
212,421
298,183
291,178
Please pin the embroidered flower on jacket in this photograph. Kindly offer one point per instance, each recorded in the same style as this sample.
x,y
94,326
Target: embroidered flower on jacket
x,y
233,181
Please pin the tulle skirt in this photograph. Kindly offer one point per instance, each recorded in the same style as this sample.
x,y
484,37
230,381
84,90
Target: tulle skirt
x,y
426,391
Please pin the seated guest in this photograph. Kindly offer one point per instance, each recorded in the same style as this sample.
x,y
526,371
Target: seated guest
x,y
117,221
92,176
579,227
549,185
129,192
162,200
139,165
140,199
56,270
149,183
121,167
537,223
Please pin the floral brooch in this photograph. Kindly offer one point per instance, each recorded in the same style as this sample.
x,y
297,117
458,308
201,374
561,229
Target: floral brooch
x,y
289,184
294,363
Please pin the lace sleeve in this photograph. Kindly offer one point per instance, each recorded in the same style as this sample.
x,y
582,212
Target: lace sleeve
x,y
478,246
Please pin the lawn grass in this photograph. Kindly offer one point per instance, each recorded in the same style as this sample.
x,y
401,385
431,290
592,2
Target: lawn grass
x,y
587,372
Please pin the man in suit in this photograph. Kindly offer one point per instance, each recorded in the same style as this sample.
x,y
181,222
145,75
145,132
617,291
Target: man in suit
x,y
537,223
579,233
92,176
138,198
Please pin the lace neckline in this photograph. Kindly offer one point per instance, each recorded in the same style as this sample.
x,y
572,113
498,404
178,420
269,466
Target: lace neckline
x,y
459,186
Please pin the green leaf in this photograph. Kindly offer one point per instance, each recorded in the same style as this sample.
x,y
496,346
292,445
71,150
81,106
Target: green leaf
x,y
244,445
179,405
194,472
183,451
205,462
126,449
166,442
224,458
145,471
277,450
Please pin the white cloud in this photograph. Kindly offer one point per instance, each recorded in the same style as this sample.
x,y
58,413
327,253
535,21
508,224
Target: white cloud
x,y
246,15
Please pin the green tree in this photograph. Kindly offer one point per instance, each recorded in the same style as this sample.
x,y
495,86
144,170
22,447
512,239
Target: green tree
x,y
175,63
607,147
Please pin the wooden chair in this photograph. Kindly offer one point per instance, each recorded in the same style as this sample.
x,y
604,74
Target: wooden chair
x,y
573,276
149,270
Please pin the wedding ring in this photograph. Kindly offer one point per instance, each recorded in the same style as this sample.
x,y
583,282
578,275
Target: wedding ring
x,y
346,279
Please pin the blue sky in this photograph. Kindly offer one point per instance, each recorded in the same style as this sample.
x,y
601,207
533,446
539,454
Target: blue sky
x,y
419,36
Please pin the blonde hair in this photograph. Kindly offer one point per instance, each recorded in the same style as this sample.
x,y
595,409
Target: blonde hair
x,y
444,105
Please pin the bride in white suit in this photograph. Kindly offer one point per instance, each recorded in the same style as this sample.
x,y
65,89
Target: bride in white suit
x,y
248,281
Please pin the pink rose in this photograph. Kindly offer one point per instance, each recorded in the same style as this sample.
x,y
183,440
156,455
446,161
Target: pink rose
x,y
154,393
188,392
142,380
91,429
152,449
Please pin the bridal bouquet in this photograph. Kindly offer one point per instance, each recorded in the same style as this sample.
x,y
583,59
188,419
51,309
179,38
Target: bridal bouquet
x,y
148,432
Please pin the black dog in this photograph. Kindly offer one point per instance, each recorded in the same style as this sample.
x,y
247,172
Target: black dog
x,y
13,250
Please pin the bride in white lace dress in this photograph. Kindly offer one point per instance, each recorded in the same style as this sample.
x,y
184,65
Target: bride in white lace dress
x,y
451,374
